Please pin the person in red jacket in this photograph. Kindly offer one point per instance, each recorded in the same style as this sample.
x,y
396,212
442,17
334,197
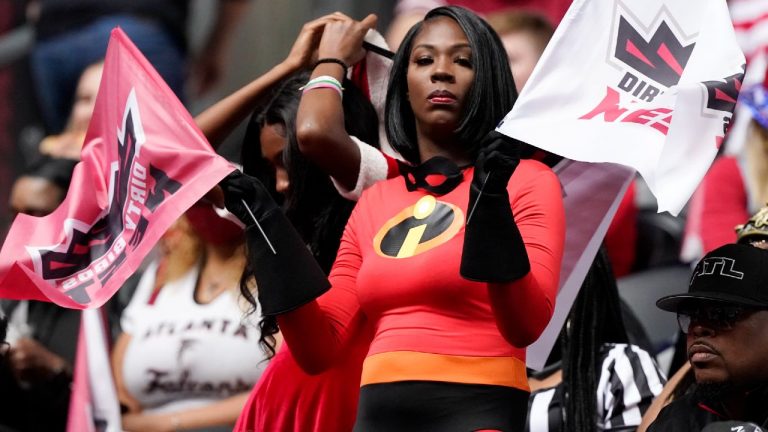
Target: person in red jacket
x,y
455,264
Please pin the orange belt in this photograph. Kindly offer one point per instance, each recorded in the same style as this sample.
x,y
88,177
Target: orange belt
x,y
416,366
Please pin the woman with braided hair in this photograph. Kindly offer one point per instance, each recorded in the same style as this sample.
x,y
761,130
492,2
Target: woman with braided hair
x,y
596,379
455,264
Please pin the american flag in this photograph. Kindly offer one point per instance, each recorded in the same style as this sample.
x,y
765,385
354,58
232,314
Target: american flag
x,y
750,21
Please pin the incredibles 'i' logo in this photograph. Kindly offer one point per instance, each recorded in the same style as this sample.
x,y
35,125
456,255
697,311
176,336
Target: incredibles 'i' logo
x,y
418,228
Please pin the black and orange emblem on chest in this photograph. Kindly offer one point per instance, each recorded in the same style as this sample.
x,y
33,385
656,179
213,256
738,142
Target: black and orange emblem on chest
x,y
418,228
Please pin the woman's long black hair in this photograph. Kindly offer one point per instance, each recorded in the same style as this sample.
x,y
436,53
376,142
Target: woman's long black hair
x,y
595,319
312,204
490,98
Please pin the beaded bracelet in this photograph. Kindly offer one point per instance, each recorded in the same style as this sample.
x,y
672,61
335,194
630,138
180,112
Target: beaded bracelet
x,y
323,81
332,60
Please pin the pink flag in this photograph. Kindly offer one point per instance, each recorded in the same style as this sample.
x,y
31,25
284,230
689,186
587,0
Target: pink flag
x,y
144,163
80,416
93,405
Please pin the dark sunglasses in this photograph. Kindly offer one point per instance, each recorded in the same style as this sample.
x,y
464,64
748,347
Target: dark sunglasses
x,y
718,318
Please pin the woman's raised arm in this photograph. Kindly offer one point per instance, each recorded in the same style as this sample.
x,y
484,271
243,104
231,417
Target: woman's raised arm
x,y
320,126
218,121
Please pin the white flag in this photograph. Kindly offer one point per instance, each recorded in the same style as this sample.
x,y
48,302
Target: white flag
x,y
650,84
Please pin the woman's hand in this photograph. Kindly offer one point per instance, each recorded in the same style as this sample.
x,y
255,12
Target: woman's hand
x,y
303,53
496,160
343,38
247,198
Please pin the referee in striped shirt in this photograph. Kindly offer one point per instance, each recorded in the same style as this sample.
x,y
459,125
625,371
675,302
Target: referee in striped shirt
x,y
602,382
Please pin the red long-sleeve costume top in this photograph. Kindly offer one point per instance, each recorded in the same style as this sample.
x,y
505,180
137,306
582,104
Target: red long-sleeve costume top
x,y
398,266
286,399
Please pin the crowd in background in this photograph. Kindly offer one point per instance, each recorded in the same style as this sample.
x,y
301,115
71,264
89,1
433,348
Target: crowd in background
x,y
213,352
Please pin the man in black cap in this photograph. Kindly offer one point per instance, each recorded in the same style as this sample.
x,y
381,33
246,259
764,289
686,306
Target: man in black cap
x,y
724,315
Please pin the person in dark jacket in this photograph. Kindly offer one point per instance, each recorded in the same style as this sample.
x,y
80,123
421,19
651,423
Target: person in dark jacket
x,y
724,315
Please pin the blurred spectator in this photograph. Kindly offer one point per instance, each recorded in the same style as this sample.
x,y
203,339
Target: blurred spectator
x,y
43,187
189,354
524,35
724,315
6,398
42,335
10,113
72,34
724,199
409,12
733,188
69,143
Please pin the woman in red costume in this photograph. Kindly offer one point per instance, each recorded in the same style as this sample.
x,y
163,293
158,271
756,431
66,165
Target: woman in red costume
x,y
455,264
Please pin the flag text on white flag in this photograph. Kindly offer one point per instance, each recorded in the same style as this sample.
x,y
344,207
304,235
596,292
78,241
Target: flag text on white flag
x,y
656,92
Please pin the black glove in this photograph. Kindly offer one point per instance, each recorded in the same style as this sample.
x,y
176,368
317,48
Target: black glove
x,y
493,247
245,195
497,159
287,275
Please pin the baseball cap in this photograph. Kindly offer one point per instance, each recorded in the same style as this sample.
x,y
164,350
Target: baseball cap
x,y
734,273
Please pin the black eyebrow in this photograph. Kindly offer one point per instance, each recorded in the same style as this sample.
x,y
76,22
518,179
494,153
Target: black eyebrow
x,y
453,47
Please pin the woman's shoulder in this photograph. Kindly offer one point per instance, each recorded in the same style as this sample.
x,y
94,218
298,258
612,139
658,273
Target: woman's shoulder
x,y
532,175
533,166
386,187
530,170
149,294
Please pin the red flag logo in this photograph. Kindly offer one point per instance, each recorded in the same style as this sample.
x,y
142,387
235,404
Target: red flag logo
x,y
144,163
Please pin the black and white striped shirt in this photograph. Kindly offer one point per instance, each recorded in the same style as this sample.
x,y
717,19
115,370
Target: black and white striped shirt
x,y
629,379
